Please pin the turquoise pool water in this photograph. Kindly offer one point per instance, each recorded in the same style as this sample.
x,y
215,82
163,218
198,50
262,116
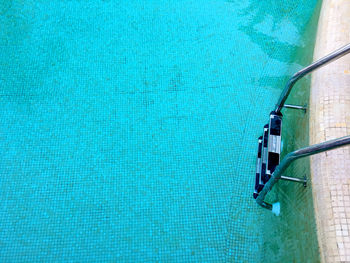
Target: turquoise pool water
x,y
129,128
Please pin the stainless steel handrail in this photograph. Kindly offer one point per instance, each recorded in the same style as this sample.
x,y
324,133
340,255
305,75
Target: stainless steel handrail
x,y
317,64
292,156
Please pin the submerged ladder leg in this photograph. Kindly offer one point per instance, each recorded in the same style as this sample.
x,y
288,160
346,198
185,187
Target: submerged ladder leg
x,y
295,107
296,180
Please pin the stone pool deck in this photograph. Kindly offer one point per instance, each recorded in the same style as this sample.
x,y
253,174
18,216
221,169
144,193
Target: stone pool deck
x,y
329,119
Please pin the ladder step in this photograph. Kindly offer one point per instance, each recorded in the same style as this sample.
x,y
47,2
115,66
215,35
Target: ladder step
x,y
274,142
264,176
258,183
269,151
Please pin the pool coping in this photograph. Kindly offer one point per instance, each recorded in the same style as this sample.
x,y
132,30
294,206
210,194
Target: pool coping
x,y
329,105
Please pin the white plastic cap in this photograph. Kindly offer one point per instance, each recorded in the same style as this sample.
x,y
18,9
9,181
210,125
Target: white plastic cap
x,y
276,208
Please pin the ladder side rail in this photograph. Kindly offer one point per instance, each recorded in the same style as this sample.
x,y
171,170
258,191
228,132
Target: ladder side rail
x,y
292,156
317,64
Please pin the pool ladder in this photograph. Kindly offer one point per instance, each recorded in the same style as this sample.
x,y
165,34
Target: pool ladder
x,y
268,167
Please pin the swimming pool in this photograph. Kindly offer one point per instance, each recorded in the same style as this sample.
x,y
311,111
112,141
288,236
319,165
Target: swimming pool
x,y
129,129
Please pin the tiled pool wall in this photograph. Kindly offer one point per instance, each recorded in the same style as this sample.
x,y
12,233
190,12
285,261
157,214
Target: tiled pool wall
x,y
292,237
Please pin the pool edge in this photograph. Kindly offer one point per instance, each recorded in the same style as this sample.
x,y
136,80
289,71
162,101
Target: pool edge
x,y
329,104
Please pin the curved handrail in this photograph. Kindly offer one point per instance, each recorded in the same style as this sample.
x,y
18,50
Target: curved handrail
x,y
292,156
317,64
